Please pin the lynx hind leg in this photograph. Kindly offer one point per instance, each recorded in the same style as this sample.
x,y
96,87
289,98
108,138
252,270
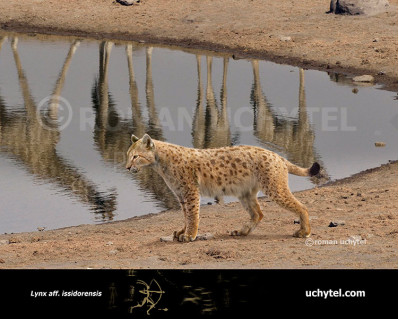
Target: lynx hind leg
x,y
190,206
251,205
286,200
277,189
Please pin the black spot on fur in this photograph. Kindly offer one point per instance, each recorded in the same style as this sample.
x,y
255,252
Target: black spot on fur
x,y
315,169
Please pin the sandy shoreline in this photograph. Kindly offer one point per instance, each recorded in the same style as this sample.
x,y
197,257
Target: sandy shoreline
x,y
364,205
283,32
352,45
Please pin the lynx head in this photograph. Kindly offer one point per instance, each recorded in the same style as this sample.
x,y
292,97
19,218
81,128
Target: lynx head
x,y
141,153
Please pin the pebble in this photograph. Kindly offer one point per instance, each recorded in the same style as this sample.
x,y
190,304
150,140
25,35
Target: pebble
x,y
205,236
363,78
355,238
127,2
285,38
166,239
379,144
336,223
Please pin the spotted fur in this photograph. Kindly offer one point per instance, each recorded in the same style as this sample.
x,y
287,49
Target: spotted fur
x,y
239,171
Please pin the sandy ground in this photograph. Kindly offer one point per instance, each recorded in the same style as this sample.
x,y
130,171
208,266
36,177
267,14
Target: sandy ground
x,y
281,31
366,204
257,28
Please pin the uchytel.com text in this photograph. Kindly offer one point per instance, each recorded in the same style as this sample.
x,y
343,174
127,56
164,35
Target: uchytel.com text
x,y
318,293
63,293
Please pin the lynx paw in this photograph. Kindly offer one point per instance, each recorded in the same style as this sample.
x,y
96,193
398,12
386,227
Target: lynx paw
x,y
176,234
301,233
186,238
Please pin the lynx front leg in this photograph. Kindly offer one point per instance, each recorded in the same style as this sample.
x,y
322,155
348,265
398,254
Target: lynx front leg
x,y
191,215
177,233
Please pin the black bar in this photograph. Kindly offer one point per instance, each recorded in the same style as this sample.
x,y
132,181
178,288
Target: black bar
x,y
198,293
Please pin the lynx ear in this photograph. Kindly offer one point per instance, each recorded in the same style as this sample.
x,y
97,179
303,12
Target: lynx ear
x,y
134,138
147,141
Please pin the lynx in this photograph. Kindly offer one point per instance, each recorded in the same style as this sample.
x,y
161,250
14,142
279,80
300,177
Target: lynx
x,y
240,171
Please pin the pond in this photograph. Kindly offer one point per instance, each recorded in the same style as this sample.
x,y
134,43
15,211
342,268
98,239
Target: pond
x,y
69,106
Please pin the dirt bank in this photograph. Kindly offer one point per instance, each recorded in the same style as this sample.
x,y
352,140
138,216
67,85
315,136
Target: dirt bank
x,y
364,205
281,31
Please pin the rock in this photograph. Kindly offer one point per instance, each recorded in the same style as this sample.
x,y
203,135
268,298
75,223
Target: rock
x,y
355,90
128,2
379,144
109,243
285,38
356,238
167,239
337,223
358,7
206,236
363,78
14,240
4,242
297,221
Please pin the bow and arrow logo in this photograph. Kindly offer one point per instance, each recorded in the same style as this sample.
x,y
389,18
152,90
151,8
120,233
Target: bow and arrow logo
x,y
152,295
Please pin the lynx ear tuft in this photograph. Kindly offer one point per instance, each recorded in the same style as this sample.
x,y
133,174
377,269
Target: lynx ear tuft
x,y
147,141
134,138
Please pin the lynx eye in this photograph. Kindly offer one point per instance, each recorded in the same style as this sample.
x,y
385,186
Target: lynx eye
x,y
135,156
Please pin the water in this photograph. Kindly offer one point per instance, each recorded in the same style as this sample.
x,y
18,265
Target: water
x,y
68,108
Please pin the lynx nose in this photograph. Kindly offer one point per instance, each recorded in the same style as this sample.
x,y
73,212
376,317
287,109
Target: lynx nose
x,y
132,169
